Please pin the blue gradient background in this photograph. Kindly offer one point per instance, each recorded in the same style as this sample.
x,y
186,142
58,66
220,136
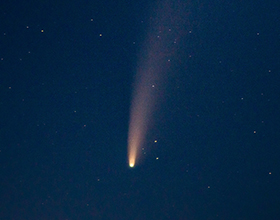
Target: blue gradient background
x,y
65,96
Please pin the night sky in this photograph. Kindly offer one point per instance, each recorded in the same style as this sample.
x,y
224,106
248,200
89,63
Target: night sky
x,y
67,75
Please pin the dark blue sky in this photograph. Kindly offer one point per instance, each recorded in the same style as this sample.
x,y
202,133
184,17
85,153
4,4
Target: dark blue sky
x,y
66,82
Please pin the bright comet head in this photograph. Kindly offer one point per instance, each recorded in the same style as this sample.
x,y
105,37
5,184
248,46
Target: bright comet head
x,y
131,164
131,160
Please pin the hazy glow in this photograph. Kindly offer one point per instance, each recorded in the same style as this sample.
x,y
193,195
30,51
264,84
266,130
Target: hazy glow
x,y
138,125
140,117
152,73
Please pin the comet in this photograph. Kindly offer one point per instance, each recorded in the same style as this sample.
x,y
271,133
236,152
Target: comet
x,y
154,61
